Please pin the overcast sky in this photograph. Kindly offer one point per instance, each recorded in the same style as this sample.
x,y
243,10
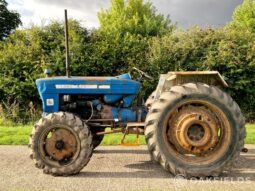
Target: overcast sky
x,y
184,12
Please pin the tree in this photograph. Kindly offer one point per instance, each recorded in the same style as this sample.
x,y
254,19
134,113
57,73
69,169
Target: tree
x,y
134,17
124,34
244,16
113,55
9,20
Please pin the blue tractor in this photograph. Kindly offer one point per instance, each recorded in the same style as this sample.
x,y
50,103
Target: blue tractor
x,y
190,125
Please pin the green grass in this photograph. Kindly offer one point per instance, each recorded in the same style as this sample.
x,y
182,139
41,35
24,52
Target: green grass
x,y
250,137
115,139
18,135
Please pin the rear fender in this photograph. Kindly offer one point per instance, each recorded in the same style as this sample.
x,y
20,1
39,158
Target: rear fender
x,y
178,78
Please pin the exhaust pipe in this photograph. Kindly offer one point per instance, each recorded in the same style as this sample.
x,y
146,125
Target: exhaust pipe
x,y
67,46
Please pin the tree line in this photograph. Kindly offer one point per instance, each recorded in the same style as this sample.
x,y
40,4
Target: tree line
x,y
131,34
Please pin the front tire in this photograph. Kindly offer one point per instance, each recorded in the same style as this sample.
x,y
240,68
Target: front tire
x,y
60,144
195,130
96,139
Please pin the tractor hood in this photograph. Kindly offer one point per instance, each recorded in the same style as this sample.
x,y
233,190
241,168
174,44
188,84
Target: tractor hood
x,y
50,88
88,85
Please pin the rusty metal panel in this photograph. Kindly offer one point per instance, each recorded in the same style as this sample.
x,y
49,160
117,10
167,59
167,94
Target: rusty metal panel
x,y
207,77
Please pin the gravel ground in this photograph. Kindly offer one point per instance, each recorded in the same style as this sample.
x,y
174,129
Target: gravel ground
x,y
115,168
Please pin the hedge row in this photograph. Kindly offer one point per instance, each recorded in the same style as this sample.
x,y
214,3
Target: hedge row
x,y
26,53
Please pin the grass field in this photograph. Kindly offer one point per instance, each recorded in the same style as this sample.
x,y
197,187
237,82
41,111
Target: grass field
x,y
18,135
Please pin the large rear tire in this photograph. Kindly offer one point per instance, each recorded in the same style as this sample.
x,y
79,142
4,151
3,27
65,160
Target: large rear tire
x,y
195,130
60,144
150,99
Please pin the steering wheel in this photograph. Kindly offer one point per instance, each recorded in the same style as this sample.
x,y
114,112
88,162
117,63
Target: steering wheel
x,y
142,73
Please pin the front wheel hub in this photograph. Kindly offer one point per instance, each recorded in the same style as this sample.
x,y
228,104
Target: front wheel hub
x,y
193,130
59,145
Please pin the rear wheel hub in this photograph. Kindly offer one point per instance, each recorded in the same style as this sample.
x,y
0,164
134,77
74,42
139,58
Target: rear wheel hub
x,y
193,130
196,132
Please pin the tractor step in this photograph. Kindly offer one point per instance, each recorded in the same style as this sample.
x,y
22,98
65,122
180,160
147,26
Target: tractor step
x,y
137,132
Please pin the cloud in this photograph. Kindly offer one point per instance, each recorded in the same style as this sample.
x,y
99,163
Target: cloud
x,y
184,12
40,12
198,12
85,5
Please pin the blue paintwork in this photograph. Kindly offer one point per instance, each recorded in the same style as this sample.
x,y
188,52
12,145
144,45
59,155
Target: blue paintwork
x,y
123,114
112,98
128,100
125,76
112,88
